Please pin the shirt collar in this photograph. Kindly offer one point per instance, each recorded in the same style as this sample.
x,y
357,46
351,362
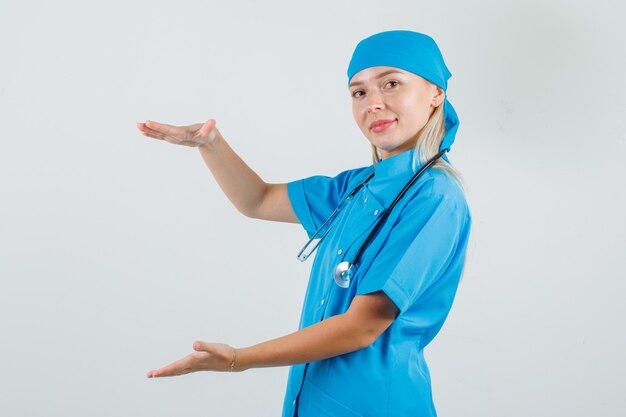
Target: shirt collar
x,y
395,165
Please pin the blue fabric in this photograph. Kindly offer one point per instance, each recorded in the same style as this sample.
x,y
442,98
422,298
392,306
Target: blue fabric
x,y
413,52
416,259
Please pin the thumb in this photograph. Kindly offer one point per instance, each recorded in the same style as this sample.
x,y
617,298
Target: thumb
x,y
199,346
208,130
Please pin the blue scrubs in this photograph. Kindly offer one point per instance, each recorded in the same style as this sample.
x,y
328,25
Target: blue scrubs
x,y
416,259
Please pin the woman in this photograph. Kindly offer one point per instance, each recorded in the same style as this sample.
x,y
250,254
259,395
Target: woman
x,y
400,245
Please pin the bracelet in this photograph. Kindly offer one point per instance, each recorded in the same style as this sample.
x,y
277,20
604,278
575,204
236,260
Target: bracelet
x,y
232,362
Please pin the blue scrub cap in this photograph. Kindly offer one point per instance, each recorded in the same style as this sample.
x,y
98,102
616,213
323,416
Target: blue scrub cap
x,y
413,52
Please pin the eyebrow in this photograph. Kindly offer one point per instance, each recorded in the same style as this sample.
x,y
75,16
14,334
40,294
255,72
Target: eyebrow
x,y
381,75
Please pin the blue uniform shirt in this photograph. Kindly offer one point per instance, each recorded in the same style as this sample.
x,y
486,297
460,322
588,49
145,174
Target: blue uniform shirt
x,y
416,259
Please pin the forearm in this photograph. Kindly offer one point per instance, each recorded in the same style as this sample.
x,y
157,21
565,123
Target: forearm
x,y
334,336
243,187
366,319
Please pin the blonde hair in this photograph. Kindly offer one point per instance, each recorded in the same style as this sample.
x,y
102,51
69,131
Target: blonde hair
x,y
427,145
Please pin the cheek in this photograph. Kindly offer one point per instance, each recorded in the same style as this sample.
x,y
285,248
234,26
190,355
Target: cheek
x,y
359,115
416,108
415,114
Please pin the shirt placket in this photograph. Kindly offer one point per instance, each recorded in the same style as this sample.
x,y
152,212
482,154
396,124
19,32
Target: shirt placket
x,y
364,208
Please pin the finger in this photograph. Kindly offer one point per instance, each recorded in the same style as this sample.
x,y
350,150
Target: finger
x,y
151,136
167,130
171,139
149,132
180,367
144,128
169,371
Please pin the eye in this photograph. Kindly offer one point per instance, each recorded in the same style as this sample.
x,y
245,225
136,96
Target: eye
x,y
391,83
357,94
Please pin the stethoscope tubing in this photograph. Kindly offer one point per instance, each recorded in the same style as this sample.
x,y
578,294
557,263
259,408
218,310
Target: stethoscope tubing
x,y
387,212
343,271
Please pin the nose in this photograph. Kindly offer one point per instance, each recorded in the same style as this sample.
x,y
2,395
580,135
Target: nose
x,y
375,102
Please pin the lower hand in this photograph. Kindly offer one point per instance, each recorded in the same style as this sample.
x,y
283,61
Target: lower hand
x,y
206,357
193,135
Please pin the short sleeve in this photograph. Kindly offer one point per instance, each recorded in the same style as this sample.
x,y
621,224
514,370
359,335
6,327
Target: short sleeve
x,y
313,199
427,243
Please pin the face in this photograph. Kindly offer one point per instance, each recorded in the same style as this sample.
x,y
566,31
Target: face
x,y
391,106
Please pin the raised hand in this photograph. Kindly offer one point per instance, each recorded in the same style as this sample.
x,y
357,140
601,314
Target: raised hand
x,y
207,357
194,135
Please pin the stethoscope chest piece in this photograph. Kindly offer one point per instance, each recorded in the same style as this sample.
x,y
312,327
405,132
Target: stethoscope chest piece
x,y
343,274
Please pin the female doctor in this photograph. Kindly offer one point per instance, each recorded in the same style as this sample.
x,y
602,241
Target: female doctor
x,y
393,242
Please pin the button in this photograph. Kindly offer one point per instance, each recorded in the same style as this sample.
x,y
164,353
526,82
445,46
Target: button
x,y
322,302
375,212
294,403
365,201
340,251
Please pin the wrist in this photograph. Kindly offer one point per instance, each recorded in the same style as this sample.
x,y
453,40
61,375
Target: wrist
x,y
233,360
242,359
213,138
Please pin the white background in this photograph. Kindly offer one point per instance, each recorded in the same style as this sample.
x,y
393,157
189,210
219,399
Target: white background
x,y
118,251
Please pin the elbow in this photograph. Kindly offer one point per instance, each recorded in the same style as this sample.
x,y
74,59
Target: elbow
x,y
363,342
364,334
366,338
248,212
371,339
254,211
254,207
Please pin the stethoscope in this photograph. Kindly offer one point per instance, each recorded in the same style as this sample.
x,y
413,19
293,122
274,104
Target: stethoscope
x,y
344,271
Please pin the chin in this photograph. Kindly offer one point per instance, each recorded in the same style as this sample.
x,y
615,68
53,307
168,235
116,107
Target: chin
x,y
388,147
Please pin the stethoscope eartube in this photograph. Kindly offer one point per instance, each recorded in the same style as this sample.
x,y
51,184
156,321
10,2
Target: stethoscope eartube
x,y
303,255
344,271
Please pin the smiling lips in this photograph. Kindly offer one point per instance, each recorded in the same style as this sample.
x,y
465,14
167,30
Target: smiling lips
x,y
380,125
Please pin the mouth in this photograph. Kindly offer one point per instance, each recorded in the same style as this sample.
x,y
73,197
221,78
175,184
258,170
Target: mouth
x,y
380,125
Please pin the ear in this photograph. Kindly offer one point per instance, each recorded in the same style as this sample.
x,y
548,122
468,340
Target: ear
x,y
439,96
